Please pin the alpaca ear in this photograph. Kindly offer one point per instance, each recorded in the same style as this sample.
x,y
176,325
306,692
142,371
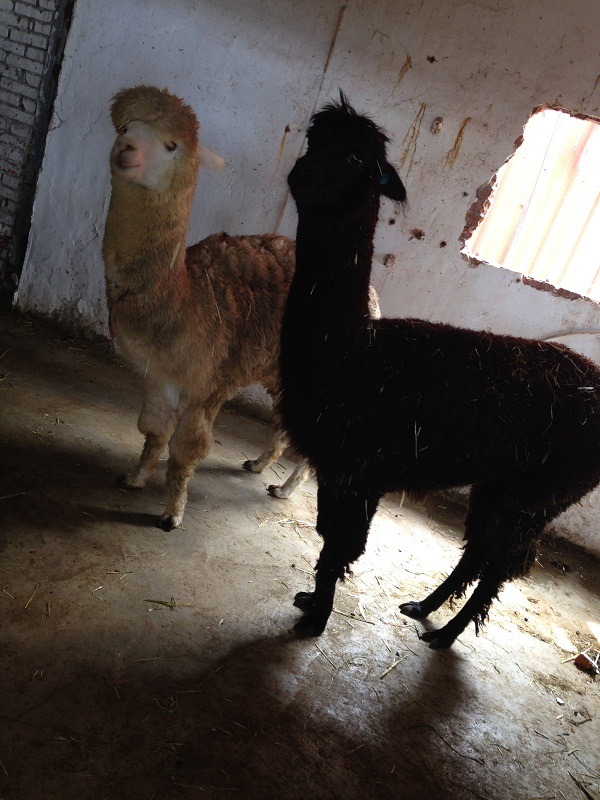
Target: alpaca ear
x,y
390,184
209,159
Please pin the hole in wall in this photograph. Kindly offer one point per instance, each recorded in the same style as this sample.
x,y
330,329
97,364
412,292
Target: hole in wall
x,y
540,214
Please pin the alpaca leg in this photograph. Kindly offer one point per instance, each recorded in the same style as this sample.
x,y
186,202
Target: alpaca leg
x,y
278,444
296,479
511,556
480,528
272,453
190,443
343,521
157,422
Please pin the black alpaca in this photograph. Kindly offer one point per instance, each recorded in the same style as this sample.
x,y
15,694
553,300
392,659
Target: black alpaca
x,y
401,404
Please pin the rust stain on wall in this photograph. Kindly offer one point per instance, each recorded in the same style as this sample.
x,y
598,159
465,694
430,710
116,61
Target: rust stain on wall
x,y
405,67
334,38
286,130
455,149
409,143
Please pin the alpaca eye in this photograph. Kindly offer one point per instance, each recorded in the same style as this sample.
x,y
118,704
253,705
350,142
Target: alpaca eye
x,y
354,160
122,129
171,146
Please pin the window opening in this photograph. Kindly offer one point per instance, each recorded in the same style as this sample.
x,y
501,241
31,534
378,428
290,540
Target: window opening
x,y
543,218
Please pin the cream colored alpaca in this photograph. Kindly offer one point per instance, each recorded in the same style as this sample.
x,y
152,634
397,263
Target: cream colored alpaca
x,y
199,322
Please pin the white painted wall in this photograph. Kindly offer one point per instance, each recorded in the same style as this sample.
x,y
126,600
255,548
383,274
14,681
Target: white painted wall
x,y
251,68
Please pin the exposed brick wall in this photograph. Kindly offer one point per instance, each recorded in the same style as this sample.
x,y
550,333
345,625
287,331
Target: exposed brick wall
x,y
30,31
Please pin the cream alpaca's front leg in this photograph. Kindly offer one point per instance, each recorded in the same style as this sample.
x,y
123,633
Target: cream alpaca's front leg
x,y
190,443
153,448
157,421
178,477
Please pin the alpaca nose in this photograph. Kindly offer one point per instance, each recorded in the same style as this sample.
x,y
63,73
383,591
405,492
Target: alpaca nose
x,y
127,153
126,145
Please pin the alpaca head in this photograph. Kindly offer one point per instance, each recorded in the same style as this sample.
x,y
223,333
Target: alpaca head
x,y
157,140
345,164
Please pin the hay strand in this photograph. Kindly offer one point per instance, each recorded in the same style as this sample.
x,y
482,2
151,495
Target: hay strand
x,y
31,597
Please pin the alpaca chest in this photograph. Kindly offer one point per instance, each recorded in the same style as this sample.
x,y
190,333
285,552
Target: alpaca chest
x,y
154,347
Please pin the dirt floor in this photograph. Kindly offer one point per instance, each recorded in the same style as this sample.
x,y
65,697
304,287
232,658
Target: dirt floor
x,y
149,665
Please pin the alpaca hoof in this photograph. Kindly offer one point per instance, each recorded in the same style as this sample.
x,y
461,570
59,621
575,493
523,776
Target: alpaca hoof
x,y
277,491
123,482
311,624
167,522
304,601
250,466
314,620
413,609
437,640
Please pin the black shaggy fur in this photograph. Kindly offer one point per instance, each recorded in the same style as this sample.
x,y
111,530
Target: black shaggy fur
x,y
403,404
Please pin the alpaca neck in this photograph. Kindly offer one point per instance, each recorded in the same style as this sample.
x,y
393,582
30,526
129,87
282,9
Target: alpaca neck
x,y
333,263
145,237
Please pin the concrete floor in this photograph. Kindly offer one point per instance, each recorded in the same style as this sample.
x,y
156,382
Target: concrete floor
x,y
105,693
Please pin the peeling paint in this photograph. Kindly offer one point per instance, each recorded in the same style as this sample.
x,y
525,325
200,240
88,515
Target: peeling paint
x,y
534,283
544,286
475,214
455,149
473,261
409,143
563,110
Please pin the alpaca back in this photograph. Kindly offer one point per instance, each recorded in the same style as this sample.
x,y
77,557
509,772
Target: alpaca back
x,y
400,397
223,332
250,277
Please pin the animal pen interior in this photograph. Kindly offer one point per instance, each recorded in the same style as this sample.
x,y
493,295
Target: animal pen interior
x,y
145,663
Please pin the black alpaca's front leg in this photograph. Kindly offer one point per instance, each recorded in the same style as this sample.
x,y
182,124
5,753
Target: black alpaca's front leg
x,y
343,520
318,605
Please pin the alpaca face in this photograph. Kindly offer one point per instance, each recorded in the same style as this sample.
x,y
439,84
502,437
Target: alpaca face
x,y
145,156
157,140
346,162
